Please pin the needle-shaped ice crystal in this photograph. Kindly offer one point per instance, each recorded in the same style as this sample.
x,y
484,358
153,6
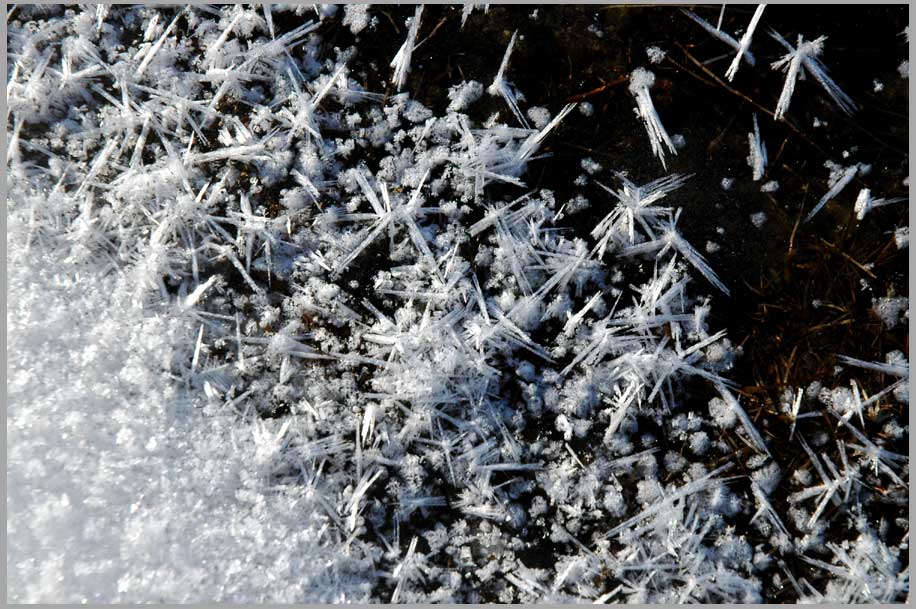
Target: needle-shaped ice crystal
x,y
641,80
805,55
401,61
745,43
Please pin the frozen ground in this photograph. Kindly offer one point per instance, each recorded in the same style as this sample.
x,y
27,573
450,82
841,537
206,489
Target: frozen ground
x,y
281,333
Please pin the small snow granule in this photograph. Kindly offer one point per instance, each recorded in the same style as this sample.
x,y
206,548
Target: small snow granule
x,y
758,219
767,478
506,299
892,310
437,537
586,109
839,399
878,86
679,141
539,116
564,426
712,247
527,313
648,491
674,462
718,352
771,186
699,443
491,121
538,506
722,414
656,55
590,165
813,390
893,430
463,95
357,17
416,112
576,204
902,237
727,183
755,461
614,502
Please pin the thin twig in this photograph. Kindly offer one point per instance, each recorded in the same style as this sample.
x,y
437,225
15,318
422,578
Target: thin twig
x,y
597,90
435,29
862,267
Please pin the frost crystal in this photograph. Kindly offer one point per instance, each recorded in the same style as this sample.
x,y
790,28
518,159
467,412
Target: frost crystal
x,y
501,87
357,17
641,80
745,44
740,47
463,95
865,203
805,55
757,159
840,177
401,61
889,310
656,55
